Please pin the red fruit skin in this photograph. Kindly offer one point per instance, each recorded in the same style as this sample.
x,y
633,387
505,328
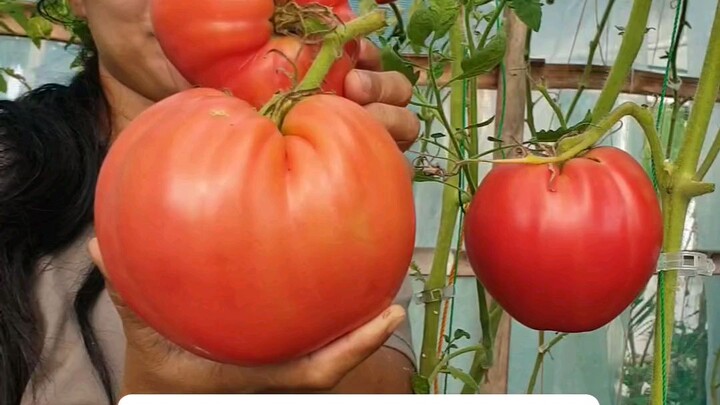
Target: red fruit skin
x,y
231,45
566,251
250,244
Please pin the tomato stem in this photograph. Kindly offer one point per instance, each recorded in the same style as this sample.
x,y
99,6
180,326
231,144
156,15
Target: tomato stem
x,y
710,158
573,146
632,40
478,349
332,47
449,213
330,51
594,44
686,180
543,349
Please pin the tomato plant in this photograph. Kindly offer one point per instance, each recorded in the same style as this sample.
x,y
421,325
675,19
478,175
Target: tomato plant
x,y
253,48
591,233
250,243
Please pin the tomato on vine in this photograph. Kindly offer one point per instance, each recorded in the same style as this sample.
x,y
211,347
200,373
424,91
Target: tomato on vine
x,y
252,48
568,247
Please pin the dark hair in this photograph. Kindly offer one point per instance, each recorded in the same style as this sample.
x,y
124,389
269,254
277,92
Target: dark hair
x,y
52,142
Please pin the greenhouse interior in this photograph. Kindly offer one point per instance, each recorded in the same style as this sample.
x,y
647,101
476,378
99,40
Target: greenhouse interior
x,y
548,81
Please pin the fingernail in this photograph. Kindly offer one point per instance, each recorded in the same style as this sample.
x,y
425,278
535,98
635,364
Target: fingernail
x,y
92,244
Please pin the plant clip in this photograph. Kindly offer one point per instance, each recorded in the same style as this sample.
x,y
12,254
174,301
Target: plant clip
x,y
435,295
688,264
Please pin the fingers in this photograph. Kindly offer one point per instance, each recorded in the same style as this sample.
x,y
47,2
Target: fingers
x,y
384,94
403,124
365,87
94,249
369,56
325,368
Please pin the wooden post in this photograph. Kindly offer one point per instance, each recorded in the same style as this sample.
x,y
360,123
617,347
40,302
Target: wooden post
x,y
512,132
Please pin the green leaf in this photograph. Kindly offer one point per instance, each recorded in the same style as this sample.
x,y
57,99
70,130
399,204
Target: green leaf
x,y
459,334
485,59
420,26
464,377
528,11
392,61
38,29
420,384
16,12
438,69
3,84
552,135
555,135
437,18
482,124
445,14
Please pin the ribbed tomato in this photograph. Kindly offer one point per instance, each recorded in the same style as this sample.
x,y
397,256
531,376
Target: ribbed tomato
x,y
568,249
251,244
233,45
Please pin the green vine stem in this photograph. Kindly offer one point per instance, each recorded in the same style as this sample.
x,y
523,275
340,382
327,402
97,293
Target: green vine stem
x,y
591,56
400,27
446,360
330,51
333,46
489,327
529,103
449,214
543,349
568,148
480,359
677,103
491,22
633,38
715,379
709,159
685,187
553,104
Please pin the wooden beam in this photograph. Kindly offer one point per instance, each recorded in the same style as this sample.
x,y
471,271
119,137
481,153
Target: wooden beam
x,y
556,75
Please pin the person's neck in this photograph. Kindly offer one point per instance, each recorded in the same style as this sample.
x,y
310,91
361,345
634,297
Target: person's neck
x,y
125,104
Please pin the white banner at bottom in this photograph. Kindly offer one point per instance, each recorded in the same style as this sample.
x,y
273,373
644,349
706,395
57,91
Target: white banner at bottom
x,y
548,399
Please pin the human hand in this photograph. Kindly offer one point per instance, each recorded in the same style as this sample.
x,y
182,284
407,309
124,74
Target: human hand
x,y
156,365
385,94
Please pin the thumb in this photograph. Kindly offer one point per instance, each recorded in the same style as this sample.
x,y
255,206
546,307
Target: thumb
x,y
326,367
94,249
136,330
96,255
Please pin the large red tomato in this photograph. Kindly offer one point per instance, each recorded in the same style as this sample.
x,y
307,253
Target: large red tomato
x,y
565,250
232,45
249,244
